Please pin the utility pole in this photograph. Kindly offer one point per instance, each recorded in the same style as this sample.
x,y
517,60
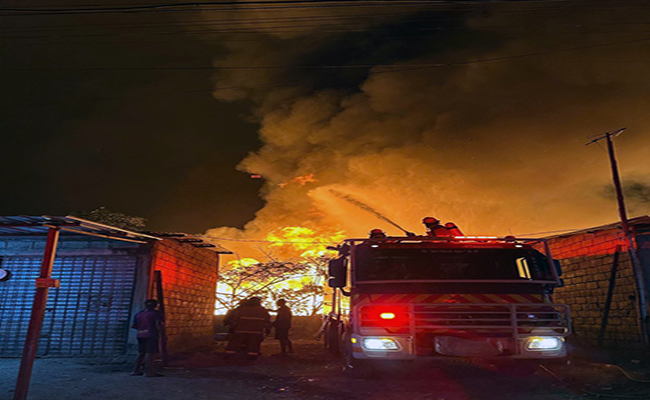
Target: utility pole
x,y
629,235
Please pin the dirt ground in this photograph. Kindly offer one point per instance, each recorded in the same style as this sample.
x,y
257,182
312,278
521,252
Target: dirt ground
x,y
313,374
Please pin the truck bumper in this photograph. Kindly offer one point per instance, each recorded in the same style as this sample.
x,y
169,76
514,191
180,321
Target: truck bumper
x,y
389,347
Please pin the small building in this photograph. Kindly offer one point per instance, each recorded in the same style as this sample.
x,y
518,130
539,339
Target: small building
x,y
104,274
593,260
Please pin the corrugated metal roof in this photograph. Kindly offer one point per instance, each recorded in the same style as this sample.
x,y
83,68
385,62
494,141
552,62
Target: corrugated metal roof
x,y
25,225
195,241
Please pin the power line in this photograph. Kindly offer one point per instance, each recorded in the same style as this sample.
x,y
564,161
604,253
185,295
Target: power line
x,y
149,95
304,5
241,5
279,83
397,68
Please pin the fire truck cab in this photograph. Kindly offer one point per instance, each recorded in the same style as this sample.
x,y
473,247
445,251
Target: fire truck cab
x,y
475,298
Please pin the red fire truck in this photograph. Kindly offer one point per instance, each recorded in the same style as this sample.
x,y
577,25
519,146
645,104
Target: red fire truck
x,y
482,299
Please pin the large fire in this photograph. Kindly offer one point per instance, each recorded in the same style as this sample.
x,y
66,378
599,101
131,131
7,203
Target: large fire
x,y
294,268
460,140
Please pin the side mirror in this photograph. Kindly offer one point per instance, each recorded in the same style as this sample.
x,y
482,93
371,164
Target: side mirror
x,y
560,283
338,272
558,267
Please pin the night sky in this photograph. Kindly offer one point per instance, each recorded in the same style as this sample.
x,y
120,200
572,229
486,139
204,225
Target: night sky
x,y
471,112
150,143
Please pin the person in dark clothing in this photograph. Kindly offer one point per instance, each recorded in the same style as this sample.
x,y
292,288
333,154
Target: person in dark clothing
x,y
230,319
251,322
282,324
149,323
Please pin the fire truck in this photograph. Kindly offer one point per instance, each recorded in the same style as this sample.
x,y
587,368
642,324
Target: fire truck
x,y
479,299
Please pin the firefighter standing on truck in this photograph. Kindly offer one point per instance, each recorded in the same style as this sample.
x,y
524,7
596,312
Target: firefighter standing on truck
x,y
251,323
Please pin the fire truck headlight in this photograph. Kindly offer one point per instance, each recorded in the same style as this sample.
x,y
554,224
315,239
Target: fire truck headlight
x,y
380,344
544,343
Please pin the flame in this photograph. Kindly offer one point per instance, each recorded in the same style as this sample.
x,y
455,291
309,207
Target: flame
x,y
303,242
299,245
300,180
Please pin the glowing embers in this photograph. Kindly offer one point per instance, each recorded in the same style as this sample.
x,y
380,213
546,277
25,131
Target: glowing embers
x,y
544,343
389,316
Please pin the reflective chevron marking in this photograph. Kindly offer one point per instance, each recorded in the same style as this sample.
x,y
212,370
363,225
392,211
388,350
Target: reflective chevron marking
x,y
462,298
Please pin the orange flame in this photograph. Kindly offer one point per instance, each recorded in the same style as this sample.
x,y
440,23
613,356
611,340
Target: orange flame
x,y
301,180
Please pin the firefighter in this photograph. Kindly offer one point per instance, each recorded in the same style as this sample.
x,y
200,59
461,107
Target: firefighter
x,y
282,325
230,318
434,228
377,234
453,229
252,322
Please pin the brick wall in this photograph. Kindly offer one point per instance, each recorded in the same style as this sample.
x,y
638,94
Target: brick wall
x,y
586,259
189,276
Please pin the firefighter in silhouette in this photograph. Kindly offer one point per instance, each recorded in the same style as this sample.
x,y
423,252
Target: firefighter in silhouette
x,y
434,228
282,324
377,234
230,319
453,229
251,323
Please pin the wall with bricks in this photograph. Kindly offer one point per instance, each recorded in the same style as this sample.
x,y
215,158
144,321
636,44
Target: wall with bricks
x,y
587,258
189,276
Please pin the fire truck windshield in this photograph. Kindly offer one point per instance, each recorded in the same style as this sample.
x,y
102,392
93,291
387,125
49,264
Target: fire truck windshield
x,y
407,264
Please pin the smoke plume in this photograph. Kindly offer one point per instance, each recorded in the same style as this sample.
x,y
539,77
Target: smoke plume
x,y
474,116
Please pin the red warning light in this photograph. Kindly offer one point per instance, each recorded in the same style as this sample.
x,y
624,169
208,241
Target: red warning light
x,y
384,316
256,176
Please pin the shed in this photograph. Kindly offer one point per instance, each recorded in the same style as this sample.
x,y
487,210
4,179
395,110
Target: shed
x,y
104,274
587,258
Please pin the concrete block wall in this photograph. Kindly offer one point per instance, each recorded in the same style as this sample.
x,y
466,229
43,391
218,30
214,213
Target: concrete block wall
x,y
586,259
189,276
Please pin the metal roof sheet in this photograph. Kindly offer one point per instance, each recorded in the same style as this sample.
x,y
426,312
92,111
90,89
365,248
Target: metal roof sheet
x,y
194,240
26,225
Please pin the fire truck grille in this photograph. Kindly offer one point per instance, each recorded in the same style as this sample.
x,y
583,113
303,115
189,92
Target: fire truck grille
x,y
489,318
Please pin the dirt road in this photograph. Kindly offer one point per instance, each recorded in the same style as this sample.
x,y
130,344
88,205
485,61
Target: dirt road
x,y
310,374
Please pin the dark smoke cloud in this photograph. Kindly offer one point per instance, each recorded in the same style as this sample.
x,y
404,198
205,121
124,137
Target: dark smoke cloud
x,y
495,146
636,194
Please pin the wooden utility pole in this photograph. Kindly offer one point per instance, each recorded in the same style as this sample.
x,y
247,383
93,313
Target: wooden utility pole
x,y
629,235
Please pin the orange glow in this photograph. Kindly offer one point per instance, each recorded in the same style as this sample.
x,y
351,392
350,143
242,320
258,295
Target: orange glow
x,y
298,245
300,180
299,241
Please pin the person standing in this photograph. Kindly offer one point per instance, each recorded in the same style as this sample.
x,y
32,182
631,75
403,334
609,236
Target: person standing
x,y
282,326
230,319
150,324
251,322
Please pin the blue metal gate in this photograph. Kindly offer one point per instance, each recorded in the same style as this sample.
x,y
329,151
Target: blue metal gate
x,y
88,315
